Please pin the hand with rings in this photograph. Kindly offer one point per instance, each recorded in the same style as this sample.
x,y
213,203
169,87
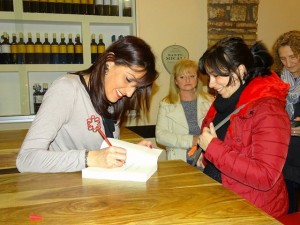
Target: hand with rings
x,y
109,157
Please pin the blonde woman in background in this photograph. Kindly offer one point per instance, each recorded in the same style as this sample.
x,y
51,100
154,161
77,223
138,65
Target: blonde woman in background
x,y
181,111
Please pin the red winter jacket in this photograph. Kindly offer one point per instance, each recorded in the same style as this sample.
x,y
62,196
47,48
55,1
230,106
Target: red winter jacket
x,y
254,150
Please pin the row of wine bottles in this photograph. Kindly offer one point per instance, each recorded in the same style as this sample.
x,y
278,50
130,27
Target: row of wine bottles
x,y
85,7
40,53
38,94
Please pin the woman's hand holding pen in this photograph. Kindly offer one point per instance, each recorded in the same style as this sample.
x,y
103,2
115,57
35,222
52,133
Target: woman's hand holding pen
x,y
207,135
109,157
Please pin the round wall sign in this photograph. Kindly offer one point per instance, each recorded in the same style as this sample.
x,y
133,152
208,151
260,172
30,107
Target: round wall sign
x,y
171,54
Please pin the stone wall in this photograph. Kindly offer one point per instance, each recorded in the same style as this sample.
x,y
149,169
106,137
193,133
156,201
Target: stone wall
x,y
232,18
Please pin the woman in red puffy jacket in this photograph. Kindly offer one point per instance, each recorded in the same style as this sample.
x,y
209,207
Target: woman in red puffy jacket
x,y
248,152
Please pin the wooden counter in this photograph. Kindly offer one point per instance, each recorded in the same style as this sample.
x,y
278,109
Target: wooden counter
x,y
176,194
11,141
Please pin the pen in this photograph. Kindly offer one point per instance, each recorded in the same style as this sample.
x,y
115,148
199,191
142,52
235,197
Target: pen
x,y
104,136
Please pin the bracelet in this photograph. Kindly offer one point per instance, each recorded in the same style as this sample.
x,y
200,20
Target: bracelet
x,y
85,159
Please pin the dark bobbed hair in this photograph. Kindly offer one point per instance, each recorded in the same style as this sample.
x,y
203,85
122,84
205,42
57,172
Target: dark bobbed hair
x,y
128,51
228,54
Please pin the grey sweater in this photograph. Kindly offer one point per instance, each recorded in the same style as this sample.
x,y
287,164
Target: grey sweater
x,y
58,136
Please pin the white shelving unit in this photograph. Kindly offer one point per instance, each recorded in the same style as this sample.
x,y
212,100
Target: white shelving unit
x,y
16,80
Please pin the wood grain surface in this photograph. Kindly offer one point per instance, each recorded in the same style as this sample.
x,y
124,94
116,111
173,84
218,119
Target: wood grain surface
x,y
176,194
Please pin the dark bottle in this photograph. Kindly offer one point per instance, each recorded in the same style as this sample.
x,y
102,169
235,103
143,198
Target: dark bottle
x,y
5,46
78,55
99,7
7,5
101,45
76,6
26,6
62,49
106,7
54,51
113,38
51,5
43,6
127,8
37,97
13,49
29,56
114,8
59,6
90,8
68,7
38,50
93,49
70,50
83,7
34,6
46,50
21,48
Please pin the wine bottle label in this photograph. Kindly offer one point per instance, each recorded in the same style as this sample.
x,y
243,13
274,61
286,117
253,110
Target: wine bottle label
x,y
106,2
60,1
62,48
13,48
54,49
101,48
46,48
99,2
127,4
93,48
68,1
21,49
114,2
78,48
38,98
70,48
76,1
90,2
29,48
38,49
5,48
83,1
52,1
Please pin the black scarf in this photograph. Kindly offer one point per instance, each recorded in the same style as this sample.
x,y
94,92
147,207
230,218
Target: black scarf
x,y
224,107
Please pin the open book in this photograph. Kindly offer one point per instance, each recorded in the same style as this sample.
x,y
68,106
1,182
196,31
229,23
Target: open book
x,y
141,163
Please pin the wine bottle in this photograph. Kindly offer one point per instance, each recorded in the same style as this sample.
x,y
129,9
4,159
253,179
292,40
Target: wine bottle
x,y
106,7
114,8
34,6
93,49
54,51
37,97
62,49
83,7
127,8
51,6
101,46
29,56
26,6
8,5
90,8
78,55
113,38
21,48
13,49
76,6
5,46
38,50
59,6
46,50
99,7
70,50
43,6
68,7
